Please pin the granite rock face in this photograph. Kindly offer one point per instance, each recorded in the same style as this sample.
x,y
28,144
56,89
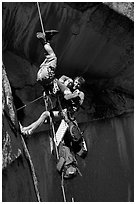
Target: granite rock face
x,y
12,147
125,8
93,41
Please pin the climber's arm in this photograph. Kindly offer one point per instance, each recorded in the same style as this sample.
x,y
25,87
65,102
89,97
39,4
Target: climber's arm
x,y
63,78
75,94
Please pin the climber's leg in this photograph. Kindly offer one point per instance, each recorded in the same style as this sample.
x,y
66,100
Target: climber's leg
x,y
31,128
46,73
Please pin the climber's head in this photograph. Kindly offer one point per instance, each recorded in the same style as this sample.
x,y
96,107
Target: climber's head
x,y
78,82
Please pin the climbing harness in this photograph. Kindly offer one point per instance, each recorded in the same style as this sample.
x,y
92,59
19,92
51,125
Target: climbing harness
x,y
62,186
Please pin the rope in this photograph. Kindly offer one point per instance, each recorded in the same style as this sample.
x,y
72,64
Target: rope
x,y
51,123
62,186
29,103
35,181
54,136
45,100
79,171
40,18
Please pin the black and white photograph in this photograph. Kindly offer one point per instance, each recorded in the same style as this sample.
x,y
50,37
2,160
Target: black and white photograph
x,y
67,101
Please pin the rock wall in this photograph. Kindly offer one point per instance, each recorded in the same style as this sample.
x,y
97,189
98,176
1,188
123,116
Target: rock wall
x,y
97,43
126,8
17,173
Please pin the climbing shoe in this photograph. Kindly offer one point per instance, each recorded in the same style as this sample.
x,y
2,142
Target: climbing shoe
x,y
49,34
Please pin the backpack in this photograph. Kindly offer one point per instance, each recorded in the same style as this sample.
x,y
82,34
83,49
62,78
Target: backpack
x,y
67,162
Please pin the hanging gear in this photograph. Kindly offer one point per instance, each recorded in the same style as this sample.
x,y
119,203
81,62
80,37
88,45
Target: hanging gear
x,y
80,148
77,141
67,162
75,131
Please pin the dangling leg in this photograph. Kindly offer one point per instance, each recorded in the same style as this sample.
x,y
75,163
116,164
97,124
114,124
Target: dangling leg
x,y
46,73
31,128
45,40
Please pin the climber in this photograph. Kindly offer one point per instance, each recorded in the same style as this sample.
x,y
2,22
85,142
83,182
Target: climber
x,y
70,142
46,72
73,97
29,130
67,162
70,104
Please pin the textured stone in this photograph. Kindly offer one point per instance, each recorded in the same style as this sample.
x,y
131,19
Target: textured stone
x,y
125,8
11,143
96,42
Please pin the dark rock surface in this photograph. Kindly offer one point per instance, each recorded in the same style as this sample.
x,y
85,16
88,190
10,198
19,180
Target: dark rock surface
x,y
17,171
97,43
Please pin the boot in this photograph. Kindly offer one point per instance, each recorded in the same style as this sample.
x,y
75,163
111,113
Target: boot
x,y
47,37
49,34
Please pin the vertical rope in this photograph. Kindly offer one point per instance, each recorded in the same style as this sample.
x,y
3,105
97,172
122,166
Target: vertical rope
x,y
35,181
40,18
54,135
45,100
51,123
62,186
